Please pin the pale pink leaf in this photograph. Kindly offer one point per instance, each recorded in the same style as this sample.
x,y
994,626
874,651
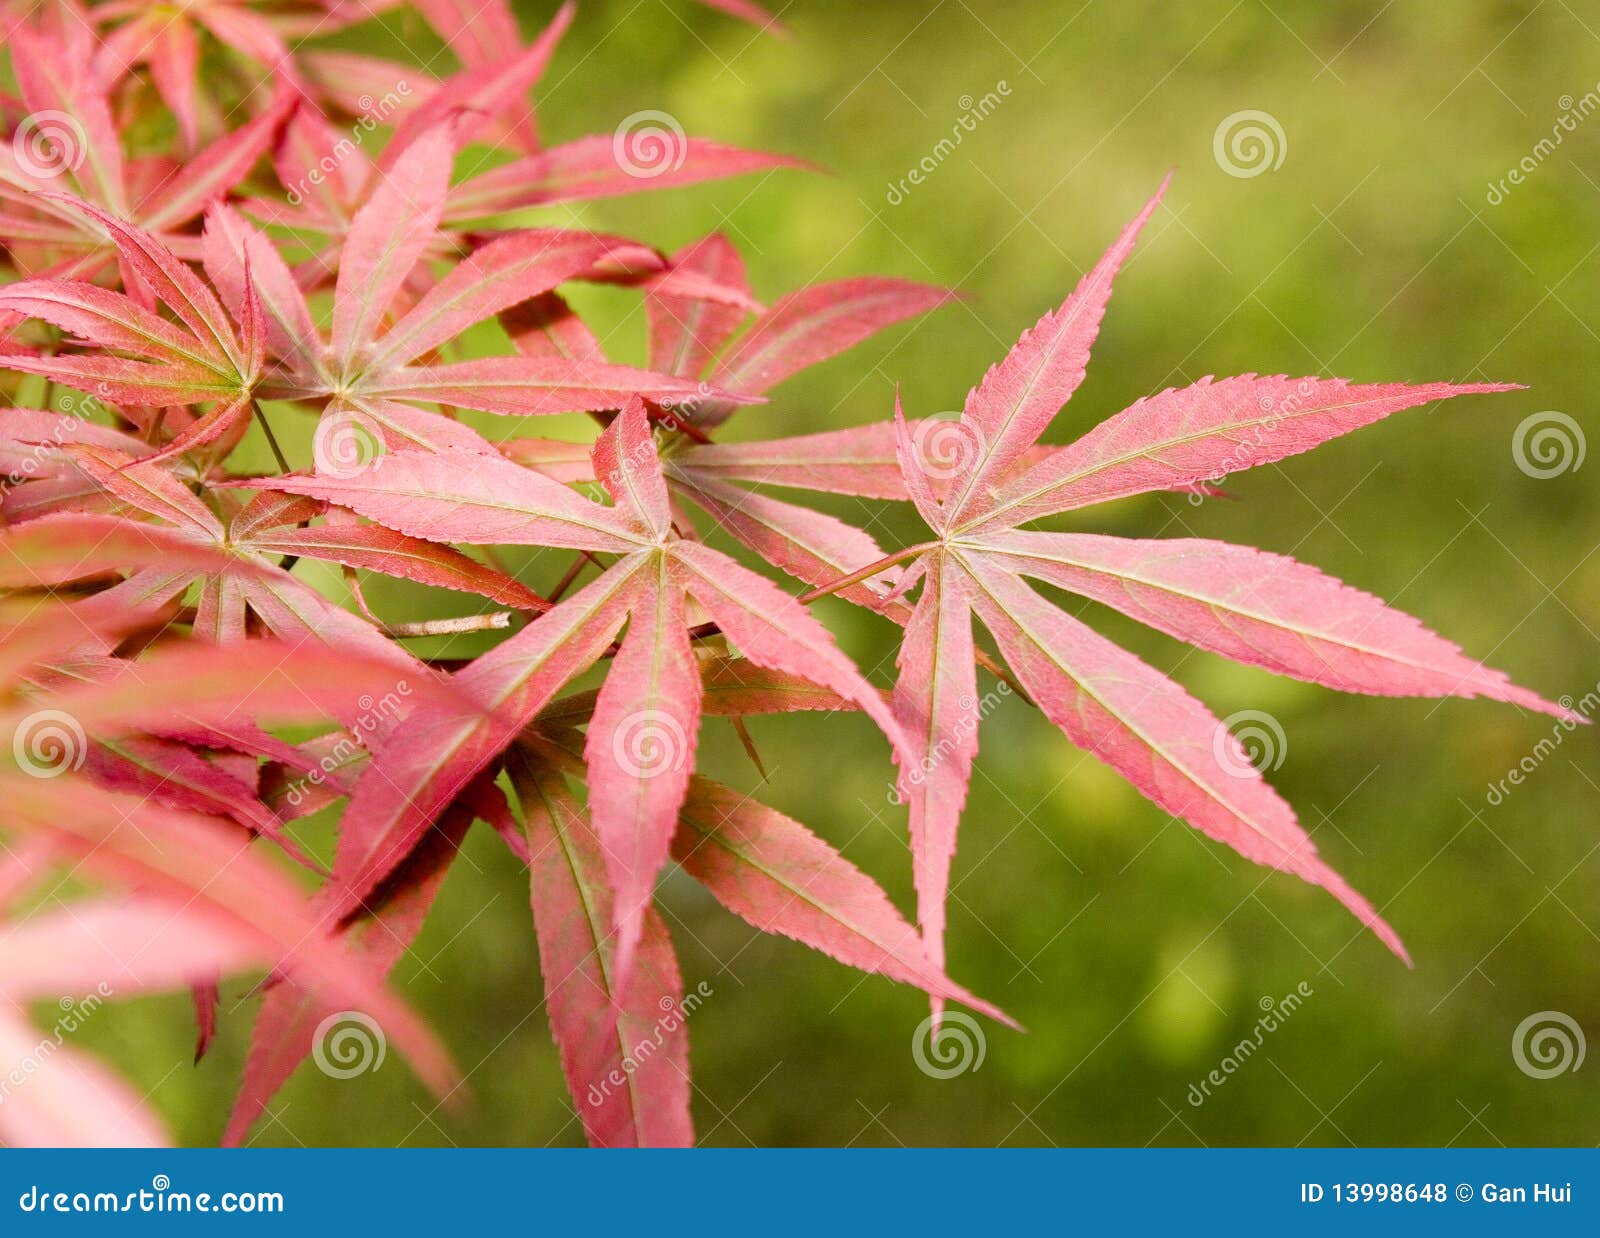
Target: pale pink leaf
x,y
687,332
1202,433
388,236
859,461
626,463
74,1101
624,1050
210,175
419,768
536,386
149,489
1152,732
229,245
640,752
770,628
1260,608
383,550
936,702
127,945
782,878
484,500
810,545
472,99
546,327
1018,398
604,166
819,322
478,32
505,271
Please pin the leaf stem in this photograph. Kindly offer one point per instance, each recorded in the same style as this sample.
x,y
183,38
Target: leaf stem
x,y
272,439
872,569
701,631
988,662
568,577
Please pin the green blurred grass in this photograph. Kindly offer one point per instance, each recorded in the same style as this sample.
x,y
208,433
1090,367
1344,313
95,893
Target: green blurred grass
x,y
1135,952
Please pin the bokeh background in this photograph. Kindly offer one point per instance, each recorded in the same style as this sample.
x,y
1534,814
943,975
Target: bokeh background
x,y
1137,953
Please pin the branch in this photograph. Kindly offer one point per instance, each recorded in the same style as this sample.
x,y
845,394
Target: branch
x,y
449,627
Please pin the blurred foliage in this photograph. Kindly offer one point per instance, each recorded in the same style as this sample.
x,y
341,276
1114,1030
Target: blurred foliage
x,y
1136,953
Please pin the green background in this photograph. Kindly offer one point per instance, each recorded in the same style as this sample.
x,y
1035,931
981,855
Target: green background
x,y
1135,952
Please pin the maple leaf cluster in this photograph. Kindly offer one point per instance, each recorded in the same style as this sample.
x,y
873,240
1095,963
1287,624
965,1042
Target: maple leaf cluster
x,y
160,628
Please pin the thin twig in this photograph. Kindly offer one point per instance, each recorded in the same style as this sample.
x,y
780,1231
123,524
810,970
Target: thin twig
x,y
272,439
872,569
449,627
568,577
